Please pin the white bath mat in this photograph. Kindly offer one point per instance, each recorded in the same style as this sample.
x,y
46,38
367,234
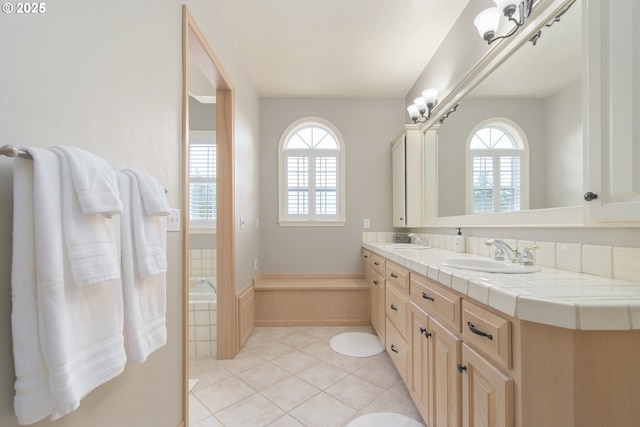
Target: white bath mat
x,y
357,344
192,383
384,419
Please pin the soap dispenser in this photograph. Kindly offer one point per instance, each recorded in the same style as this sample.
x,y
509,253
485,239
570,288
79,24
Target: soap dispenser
x,y
458,242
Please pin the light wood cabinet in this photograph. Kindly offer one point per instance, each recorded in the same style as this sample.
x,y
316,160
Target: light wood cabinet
x,y
436,353
398,349
487,392
408,178
612,106
374,266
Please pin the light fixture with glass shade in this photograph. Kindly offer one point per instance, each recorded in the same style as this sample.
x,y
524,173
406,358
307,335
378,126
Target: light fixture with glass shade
x,y
488,21
420,110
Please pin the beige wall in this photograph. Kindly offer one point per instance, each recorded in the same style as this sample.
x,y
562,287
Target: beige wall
x,y
106,76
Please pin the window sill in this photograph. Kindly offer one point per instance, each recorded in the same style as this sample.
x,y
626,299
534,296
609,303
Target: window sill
x,y
310,223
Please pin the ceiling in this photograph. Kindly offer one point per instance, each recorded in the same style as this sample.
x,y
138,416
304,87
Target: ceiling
x,y
338,48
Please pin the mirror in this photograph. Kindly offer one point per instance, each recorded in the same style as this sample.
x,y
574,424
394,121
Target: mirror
x,y
538,89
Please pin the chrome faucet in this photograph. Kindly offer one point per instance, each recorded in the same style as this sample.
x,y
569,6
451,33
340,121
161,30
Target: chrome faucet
x,y
525,257
202,281
419,239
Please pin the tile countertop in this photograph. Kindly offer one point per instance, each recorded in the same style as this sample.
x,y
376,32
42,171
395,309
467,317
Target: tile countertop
x,y
551,296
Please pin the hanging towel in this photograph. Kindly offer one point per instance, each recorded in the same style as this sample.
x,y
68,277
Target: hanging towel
x,y
32,400
94,181
149,231
90,238
144,297
80,329
153,193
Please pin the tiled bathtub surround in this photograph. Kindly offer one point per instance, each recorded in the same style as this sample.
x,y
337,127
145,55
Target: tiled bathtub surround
x,y
203,332
606,261
202,262
553,296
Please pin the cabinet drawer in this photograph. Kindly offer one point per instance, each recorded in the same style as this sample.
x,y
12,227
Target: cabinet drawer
x,y
377,263
440,302
396,308
487,332
398,275
398,349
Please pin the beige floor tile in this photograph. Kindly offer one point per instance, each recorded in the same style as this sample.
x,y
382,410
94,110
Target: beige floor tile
x,y
197,411
299,340
253,411
290,392
323,410
207,422
319,349
290,366
392,402
380,372
263,376
294,361
285,421
223,394
273,350
355,392
322,375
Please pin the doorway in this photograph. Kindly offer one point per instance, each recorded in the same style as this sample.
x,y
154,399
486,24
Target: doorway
x,y
196,52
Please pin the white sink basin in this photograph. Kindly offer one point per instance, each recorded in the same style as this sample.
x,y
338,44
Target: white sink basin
x,y
489,265
405,246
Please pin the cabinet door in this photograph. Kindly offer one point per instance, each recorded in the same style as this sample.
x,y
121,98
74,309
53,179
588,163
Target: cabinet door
x,y
377,305
420,369
487,393
612,101
398,178
444,358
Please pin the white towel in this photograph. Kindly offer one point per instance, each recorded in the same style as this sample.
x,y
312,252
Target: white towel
x,y
144,297
94,180
32,400
149,231
80,329
153,193
90,238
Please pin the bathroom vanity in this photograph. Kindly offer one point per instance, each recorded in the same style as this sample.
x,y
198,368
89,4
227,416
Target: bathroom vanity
x,y
500,350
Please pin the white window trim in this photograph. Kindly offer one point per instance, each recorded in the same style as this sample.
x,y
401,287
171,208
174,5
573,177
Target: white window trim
x,y
282,220
197,226
522,143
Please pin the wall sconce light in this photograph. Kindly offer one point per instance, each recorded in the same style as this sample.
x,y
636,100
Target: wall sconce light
x,y
420,110
488,20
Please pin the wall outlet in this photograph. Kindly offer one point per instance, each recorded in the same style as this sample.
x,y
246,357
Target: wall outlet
x,y
173,220
366,224
255,264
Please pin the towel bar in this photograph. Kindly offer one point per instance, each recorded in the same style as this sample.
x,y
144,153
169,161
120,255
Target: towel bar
x,y
11,151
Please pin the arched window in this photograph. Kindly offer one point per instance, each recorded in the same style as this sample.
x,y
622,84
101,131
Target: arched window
x,y
497,175
311,166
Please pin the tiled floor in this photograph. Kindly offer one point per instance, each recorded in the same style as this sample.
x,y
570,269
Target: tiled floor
x,y
290,376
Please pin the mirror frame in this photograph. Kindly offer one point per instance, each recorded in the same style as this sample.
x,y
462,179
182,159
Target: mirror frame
x,y
195,45
573,216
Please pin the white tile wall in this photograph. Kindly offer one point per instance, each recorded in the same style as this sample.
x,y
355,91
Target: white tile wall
x,y
202,262
203,335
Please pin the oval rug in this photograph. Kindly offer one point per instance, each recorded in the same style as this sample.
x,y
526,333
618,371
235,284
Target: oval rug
x,y
357,344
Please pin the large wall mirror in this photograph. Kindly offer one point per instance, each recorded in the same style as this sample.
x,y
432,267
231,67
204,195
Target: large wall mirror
x,y
529,104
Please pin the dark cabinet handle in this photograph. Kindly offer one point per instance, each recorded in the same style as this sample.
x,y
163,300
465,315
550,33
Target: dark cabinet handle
x,y
375,282
366,256
375,263
393,307
425,296
424,332
589,196
393,348
461,368
394,275
478,331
